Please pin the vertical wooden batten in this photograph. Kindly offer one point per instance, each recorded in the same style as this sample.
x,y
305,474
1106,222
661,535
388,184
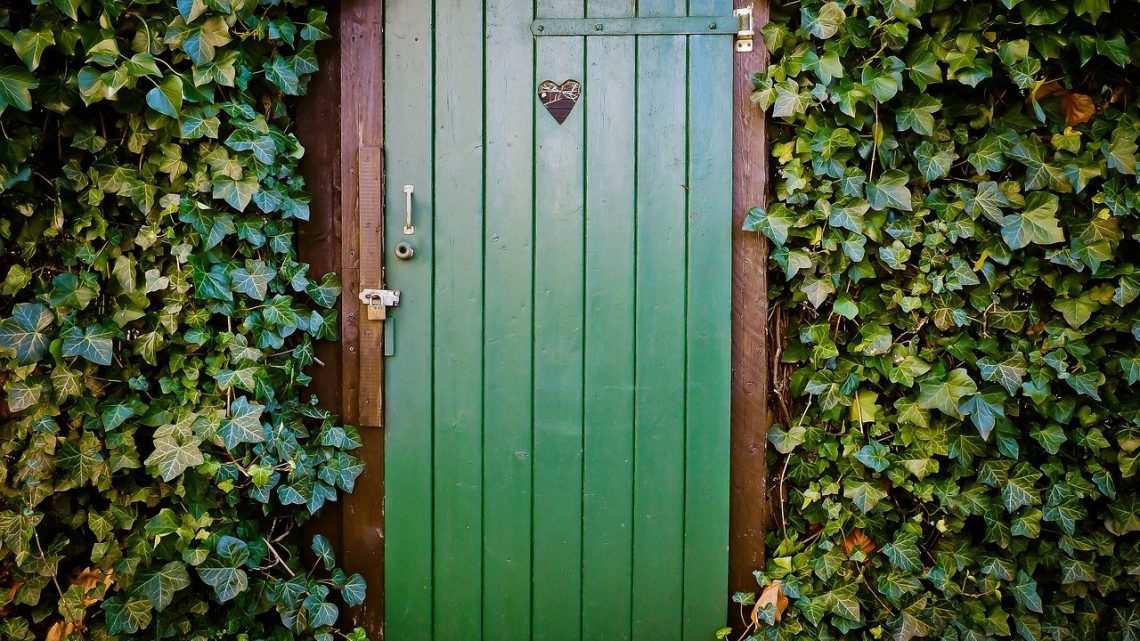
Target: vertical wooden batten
x,y
749,505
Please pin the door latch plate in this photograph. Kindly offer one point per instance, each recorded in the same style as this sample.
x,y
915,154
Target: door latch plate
x,y
746,31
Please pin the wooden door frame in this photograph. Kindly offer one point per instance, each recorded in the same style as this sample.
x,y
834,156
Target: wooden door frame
x,y
347,96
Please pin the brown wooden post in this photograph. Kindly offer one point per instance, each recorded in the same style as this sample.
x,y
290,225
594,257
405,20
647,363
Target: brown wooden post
x,y
340,123
361,140
749,469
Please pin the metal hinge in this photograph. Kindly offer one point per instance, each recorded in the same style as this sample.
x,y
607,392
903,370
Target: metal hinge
x,y
745,33
378,302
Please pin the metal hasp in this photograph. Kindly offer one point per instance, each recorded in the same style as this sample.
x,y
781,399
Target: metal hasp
x,y
378,302
745,33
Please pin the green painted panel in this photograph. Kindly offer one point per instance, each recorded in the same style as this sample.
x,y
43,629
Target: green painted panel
x,y
557,405
508,249
408,375
609,324
659,427
558,317
708,328
458,320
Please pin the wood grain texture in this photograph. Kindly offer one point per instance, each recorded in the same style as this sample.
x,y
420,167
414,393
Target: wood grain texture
x,y
370,249
749,507
659,406
408,385
362,108
708,332
611,289
508,245
318,239
558,303
457,242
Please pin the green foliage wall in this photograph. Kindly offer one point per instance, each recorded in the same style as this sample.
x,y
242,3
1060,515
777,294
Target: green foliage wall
x,y
157,448
954,230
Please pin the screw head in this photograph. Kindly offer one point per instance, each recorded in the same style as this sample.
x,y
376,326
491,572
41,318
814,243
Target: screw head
x,y
542,27
598,27
712,26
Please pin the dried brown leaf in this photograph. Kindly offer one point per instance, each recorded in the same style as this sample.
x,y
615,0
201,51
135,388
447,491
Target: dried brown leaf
x,y
771,595
1078,108
858,540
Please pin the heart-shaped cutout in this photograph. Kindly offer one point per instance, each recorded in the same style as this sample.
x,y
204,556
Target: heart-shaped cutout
x,y
558,99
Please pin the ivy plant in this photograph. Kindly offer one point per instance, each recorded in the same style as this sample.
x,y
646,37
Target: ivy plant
x,y
954,229
158,450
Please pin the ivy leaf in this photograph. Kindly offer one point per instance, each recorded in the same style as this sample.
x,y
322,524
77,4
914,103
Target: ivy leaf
x,y
773,222
1086,384
280,72
918,115
159,586
786,441
321,612
93,343
946,395
789,100
227,582
323,549
864,494
1121,152
845,602
1025,592
1009,372
327,292
166,97
30,45
988,201
16,86
175,451
353,591
126,615
825,23
23,395
1020,490
252,281
903,552
262,146
1037,224
236,192
190,9
244,424
874,456
933,161
25,334
890,190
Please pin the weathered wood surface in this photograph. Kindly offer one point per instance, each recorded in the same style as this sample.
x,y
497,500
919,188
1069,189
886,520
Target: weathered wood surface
x,y
749,504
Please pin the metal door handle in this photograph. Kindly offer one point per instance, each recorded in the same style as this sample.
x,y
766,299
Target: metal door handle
x,y
409,229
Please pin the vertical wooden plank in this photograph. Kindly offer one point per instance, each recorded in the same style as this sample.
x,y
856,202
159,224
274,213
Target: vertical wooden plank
x,y
409,44
749,505
708,324
659,431
609,104
361,105
458,251
507,316
558,307
370,243
318,239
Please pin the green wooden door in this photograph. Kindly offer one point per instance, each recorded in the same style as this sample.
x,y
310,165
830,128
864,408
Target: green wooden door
x,y
557,394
